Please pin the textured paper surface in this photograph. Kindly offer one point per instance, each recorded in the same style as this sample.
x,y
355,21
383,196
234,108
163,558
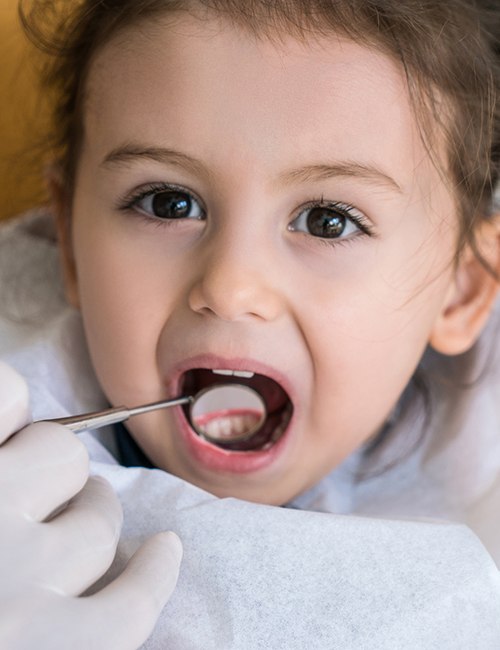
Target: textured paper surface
x,y
259,577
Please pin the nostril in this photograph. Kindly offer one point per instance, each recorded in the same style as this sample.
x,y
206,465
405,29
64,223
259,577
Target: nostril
x,y
206,311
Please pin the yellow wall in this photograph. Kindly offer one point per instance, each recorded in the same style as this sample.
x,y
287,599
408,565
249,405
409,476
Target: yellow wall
x,y
21,118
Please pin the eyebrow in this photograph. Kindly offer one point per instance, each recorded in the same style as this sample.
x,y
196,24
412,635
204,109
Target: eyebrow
x,y
370,173
129,153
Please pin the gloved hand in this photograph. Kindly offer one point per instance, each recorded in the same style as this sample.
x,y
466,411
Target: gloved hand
x,y
58,534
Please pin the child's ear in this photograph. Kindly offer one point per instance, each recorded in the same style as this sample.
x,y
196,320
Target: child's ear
x,y
61,208
472,294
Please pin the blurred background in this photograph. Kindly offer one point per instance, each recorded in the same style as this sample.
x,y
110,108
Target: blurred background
x,y
23,118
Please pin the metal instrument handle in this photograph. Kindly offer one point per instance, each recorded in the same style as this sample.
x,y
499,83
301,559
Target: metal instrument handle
x,y
98,419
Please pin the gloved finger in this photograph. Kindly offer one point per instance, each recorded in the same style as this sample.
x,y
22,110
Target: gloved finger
x,y
83,537
41,468
125,612
14,402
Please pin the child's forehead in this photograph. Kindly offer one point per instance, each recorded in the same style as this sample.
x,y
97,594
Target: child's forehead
x,y
211,58
177,77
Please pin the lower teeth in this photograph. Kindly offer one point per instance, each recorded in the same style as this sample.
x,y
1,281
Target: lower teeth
x,y
229,430
228,427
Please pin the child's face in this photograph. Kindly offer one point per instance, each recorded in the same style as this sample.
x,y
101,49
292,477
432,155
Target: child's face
x,y
244,140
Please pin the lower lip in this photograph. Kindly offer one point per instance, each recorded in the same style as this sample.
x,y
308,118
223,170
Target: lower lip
x,y
222,460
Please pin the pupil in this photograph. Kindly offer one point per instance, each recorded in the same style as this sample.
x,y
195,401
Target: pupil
x,y
322,222
171,205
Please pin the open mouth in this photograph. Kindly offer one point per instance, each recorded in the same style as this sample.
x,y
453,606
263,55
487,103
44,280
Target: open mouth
x,y
225,427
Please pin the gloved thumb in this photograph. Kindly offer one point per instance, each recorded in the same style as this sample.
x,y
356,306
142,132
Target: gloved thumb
x,y
14,402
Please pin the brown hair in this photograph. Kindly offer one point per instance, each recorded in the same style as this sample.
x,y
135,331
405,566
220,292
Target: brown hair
x,y
449,50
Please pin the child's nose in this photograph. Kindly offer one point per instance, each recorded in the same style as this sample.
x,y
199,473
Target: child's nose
x,y
236,283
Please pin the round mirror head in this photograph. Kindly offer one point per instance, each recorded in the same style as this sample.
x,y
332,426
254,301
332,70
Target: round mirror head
x,y
227,413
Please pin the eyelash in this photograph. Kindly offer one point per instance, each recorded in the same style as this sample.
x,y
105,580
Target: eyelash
x,y
349,211
131,201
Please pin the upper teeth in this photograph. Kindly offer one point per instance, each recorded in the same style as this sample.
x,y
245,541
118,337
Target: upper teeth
x,y
244,374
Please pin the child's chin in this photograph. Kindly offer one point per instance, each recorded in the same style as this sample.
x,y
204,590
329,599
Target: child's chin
x,y
268,494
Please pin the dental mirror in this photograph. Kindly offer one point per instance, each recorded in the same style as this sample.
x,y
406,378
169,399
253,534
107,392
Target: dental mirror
x,y
225,413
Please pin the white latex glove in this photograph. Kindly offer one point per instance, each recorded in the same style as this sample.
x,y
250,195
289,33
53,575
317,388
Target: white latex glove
x,y
51,552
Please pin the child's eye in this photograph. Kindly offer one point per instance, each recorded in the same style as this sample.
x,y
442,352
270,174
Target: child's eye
x,y
330,221
166,202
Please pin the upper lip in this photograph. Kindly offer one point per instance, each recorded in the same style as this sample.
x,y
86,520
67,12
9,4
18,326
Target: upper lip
x,y
214,362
